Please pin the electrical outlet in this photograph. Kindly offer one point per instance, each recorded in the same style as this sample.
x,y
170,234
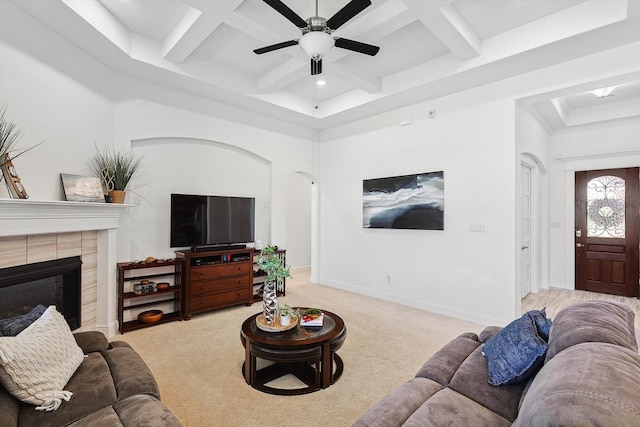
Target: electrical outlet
x,y
432,114
478,228
388,279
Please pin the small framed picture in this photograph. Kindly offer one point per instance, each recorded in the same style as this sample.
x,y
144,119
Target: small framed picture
x,y
78,188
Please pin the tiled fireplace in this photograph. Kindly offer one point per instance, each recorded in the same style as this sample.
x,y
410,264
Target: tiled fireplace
x,y
34,231
55,282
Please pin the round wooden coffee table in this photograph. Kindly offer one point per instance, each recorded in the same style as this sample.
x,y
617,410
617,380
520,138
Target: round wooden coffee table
x,y
309,354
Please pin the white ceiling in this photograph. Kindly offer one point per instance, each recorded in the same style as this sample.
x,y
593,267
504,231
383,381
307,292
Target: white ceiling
x,y
428,48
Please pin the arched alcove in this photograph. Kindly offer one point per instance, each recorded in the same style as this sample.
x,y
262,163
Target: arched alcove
x,y
193,166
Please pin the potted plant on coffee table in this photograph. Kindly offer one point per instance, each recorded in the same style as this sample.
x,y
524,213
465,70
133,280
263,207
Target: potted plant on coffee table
x,y
115,169
287,313
271,263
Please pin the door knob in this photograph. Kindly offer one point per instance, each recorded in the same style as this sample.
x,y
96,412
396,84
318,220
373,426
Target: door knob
x,y
579,245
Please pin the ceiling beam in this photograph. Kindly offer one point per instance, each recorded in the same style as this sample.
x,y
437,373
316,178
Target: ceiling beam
x,y
446,23
362,79
283,75
194,28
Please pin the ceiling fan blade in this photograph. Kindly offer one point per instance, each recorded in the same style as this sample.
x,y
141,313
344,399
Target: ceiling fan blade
x,y
284,10
316,67
352,8
275,47
355,46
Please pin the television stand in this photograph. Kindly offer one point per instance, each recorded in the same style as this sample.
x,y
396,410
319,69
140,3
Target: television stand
x,y
216,279
206,248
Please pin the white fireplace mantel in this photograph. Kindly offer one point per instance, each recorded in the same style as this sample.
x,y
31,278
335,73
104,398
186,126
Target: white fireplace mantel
x,y
25,217
19,217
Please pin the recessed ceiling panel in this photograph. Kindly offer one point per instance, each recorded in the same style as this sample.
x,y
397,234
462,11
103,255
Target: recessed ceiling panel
x,y
621,93
488,18
308,88
400,50
214,56
229,48
153,19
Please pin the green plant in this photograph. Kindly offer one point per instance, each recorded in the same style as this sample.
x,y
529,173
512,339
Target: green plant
x,y
115,168
9,137
272,264
287,310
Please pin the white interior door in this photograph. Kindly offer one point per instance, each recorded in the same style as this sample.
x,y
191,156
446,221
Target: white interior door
x,y
525,252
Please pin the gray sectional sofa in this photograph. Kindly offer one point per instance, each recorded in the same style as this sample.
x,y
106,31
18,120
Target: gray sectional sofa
x,y
113,387
589,376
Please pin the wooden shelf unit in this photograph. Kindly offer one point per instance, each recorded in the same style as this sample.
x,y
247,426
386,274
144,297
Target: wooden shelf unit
x,y
130,272
259,277
216,279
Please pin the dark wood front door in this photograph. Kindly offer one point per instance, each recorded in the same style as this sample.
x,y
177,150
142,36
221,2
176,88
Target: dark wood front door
x,y
607,231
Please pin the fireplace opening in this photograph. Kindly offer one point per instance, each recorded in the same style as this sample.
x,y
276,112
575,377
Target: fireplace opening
x,y
57,282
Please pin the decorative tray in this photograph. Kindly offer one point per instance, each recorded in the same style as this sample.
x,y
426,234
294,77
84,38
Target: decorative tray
x,y
275,326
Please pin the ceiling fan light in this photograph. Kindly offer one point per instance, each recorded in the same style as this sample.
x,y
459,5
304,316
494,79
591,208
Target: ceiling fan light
x,y
316,44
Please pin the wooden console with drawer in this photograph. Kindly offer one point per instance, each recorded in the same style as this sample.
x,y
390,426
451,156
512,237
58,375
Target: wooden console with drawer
x,y
216,279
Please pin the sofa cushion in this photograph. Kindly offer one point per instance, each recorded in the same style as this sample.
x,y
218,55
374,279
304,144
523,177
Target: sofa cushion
x,y
589,384
515,353
144,411
134,411
91,341
471,380
396,407
38,362
14,325
449,408
592,321
445,362
9,408
131,375
93,389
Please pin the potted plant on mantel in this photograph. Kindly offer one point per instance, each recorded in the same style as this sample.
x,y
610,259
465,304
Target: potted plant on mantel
x,y
272,264
115,170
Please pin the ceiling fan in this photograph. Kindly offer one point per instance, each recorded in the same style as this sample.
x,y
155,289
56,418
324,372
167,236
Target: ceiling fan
x,y
316,38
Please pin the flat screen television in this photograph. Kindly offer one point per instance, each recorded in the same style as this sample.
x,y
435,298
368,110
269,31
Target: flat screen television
x,y
208,221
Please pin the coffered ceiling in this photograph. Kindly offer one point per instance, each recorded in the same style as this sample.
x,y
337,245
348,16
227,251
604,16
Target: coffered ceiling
x,y
428,48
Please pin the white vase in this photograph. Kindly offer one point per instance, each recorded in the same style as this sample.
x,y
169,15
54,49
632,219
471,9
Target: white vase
x,y
285,320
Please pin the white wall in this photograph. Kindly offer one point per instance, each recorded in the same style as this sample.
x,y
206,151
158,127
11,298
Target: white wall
x,y
194,153
49,107
532,140
448,271
56,93
478,139
607,145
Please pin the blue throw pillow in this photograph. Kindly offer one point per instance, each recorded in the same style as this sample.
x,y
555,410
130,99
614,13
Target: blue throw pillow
x,y
515,353
543,323
14,325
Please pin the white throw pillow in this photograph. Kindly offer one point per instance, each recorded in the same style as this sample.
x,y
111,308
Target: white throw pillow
x,y
40,360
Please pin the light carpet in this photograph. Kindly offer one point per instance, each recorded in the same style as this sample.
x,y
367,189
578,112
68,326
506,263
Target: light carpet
x,y
197,363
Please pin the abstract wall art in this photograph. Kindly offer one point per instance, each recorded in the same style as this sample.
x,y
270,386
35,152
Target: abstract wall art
x,y
404,202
